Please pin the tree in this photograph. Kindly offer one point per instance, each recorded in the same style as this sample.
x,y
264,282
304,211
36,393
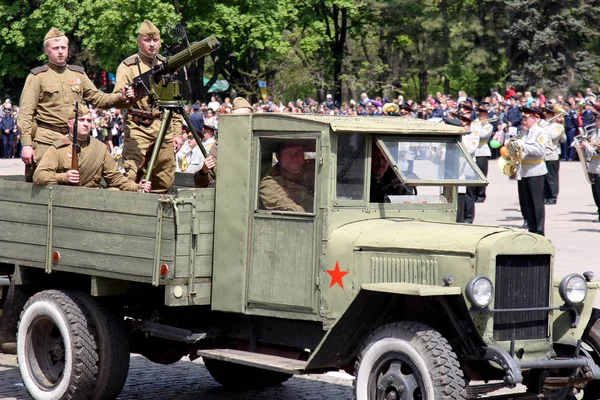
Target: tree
x,y
547,44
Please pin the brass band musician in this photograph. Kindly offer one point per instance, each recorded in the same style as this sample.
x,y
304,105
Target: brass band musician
x,y
531,170
556,135
483,130
594,162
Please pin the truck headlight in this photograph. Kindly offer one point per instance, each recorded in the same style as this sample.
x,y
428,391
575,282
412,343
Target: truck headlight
x,y
573,289
480,291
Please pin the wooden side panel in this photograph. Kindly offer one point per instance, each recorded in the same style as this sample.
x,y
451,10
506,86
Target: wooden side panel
x,y
98,232
282,268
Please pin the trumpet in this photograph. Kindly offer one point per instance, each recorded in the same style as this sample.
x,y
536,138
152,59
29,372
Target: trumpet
x,y
559,111
484,121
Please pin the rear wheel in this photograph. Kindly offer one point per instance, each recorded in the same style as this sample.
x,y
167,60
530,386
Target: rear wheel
x,y
113,348
408,360
239,376
56,347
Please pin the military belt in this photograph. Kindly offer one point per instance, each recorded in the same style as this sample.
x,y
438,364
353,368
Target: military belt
x,y
141,117
531,162
51,127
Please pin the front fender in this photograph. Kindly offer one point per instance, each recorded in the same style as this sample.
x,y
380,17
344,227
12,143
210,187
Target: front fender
x,y
563,330
378,304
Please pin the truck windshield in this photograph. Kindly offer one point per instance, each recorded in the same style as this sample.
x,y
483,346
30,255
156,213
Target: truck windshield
x,y
421,162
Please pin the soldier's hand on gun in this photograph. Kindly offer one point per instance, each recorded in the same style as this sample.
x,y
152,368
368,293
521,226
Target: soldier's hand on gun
x,y
127,93
27,155
144,186
209,163
73,176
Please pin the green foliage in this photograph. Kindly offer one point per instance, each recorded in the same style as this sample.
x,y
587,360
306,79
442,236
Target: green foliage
x,y
340,46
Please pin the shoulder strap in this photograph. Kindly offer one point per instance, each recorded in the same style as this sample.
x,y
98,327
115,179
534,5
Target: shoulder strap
x,y
62,142
161,58
129,61
76,68
40,69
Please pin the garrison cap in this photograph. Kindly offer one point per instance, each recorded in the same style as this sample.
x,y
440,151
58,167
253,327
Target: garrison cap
x,y
532,112
147,28
436,100
240,102
53,33
83,110
482,110
589,103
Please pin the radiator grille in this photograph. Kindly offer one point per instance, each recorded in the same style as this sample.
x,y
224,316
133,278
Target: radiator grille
x,y
394,269
521,282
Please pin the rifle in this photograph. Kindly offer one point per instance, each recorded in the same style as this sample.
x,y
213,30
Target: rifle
x,y
76,148
158,81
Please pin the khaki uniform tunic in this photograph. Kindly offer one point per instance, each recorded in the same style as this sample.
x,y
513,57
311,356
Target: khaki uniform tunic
x,y
95,163
138,137
49,93
279,193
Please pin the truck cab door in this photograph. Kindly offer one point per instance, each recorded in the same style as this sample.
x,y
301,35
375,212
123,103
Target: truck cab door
x,y
284,226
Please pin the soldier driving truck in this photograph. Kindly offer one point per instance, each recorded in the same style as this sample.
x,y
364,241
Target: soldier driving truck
x,y
394,292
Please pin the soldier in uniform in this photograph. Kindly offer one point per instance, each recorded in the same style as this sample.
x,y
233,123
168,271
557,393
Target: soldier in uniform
x,y
143,120
206,176
483,130
571,125
384,181
531,170
556,135
290,187
438,111
513,117
594,164
95,162
49,93
465,202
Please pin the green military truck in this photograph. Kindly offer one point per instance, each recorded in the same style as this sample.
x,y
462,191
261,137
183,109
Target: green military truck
x,y
394,292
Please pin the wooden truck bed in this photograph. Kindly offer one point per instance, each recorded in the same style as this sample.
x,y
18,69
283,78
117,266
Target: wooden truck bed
x,y
111,234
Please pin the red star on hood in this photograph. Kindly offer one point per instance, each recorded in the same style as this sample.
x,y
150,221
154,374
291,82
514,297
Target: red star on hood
x,y
337,275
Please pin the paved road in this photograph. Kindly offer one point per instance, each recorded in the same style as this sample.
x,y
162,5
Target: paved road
x,y
568,224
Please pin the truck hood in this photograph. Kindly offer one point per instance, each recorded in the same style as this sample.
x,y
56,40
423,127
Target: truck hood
x,y
410,234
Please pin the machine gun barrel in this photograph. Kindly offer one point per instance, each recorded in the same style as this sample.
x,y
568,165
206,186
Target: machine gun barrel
x,y
195,51
154,81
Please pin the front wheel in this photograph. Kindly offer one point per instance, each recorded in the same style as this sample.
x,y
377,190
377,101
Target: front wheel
x,y
56,347
408,360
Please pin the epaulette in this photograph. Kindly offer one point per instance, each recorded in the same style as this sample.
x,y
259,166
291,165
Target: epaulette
x,y
62,142
76,68
39,70
129,61
161,58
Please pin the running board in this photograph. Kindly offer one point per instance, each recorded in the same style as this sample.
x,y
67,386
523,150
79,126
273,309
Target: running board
x,y
257,360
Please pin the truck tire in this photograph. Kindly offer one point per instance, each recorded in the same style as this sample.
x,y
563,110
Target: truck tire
x,y
56,347
406,360
591,336
237,376
113,348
